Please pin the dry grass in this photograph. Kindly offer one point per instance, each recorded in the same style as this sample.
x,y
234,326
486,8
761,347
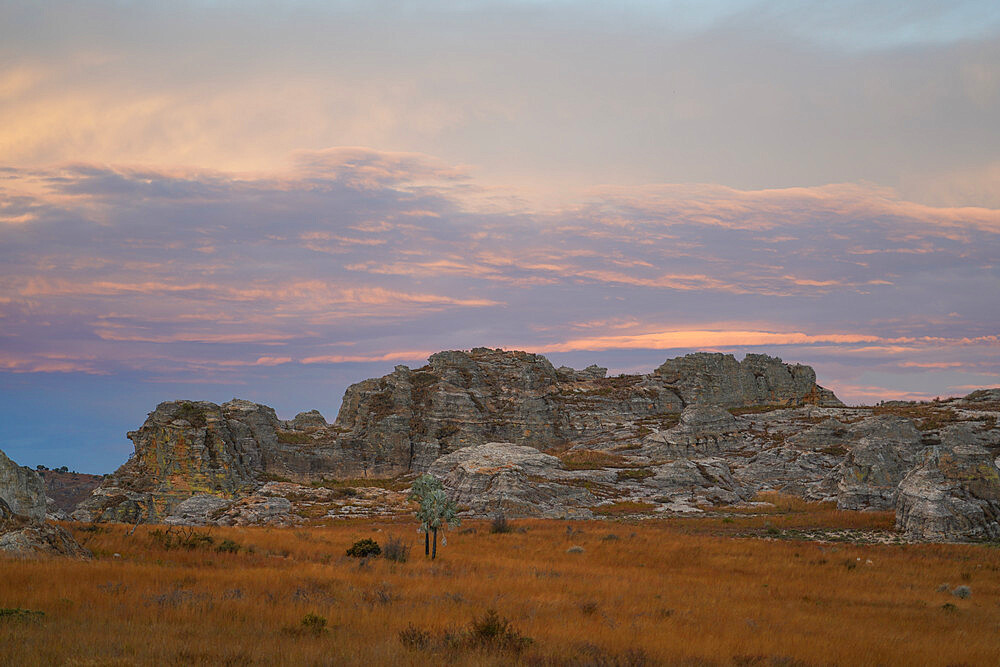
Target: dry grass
x,y
591,459
664,591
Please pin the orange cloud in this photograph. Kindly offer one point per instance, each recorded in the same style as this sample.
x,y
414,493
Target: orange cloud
x,y
388,356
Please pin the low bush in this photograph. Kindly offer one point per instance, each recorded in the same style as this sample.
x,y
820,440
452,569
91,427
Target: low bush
x,y
228,546
500,524
313,624
16,614
396,550
493,633
366,548
181,538
490,633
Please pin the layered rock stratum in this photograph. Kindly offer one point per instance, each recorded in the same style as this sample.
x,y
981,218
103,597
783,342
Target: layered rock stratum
x,y
510,433
23,529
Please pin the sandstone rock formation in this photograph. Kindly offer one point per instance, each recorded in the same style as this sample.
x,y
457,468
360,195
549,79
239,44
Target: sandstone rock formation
x,y
513,480
22,489
24,537
702,429
954,493
699,432
23,530
403,422
886,449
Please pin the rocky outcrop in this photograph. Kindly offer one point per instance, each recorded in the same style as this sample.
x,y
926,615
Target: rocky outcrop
x,y
22,489
718,379
688,484
25,534
885,449
403,422
24,538
954,493
512,480
702,429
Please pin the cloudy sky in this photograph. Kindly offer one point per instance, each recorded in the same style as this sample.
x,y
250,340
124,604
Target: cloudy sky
x,y
274,200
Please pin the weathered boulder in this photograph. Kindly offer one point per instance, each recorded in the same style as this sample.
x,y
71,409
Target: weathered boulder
x,y
954,493
830,435
790,470
23,536
514,480
887,448
259,511
198,510
22,488
703,481
702,430
38,538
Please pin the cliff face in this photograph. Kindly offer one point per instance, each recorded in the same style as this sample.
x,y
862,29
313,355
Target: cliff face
x,y
22,489
406,420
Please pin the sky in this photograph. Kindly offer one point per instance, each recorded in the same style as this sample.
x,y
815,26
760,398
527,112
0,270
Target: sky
x,y
271,201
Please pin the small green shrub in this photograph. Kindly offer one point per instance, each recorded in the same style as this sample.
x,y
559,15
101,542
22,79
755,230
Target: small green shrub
x,y
190,413
17,614
228,546
366,548
313,624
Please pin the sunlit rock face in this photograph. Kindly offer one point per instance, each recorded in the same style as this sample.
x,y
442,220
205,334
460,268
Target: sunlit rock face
x,y
22,488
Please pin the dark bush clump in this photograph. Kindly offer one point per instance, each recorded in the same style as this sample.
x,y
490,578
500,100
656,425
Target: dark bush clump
x,y
181,538
494,633
396,550
414,638
366,548
500,524
311,624
228,546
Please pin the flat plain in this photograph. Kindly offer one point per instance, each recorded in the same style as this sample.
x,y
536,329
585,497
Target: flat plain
x,y
749,587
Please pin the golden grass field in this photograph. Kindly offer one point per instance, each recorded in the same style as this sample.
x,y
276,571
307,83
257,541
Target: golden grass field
x,y
723,590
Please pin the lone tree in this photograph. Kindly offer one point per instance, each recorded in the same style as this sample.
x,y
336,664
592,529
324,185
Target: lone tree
x,y
435,509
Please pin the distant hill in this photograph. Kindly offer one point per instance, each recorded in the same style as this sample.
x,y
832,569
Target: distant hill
x,y
68,488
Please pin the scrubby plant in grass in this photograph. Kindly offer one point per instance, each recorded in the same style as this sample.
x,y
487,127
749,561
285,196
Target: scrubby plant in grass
x,y
228,546
491,632
415,638
365,548
16,614
396,550
500,524
313,624
181,538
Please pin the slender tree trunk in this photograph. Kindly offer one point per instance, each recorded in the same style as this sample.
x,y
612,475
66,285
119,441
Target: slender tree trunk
x,y
427,543
434,553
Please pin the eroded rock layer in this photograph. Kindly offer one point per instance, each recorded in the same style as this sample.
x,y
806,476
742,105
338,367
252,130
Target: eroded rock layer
x,y
509,433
